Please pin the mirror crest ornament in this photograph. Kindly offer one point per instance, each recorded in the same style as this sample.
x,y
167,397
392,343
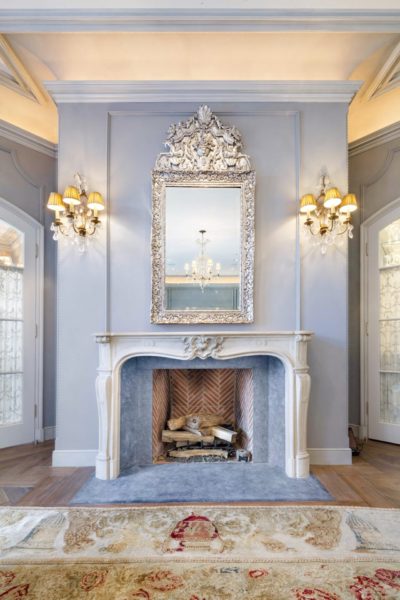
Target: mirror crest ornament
x,y
202,185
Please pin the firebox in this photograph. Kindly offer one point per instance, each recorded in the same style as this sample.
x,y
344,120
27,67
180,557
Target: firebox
x,y
202,415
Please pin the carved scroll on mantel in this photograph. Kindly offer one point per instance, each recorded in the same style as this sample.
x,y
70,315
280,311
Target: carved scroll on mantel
x,y
289,346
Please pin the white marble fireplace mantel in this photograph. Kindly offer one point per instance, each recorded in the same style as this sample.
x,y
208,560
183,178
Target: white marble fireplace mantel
x,y
289,346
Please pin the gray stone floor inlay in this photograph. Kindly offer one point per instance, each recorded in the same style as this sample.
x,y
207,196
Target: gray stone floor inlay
x,y
201,482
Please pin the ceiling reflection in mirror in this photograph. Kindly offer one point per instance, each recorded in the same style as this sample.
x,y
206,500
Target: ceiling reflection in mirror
x,y
202,248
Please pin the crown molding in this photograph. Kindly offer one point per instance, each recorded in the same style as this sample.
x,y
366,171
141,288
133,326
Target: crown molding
x,y
377,138
27,139
201,91
75,20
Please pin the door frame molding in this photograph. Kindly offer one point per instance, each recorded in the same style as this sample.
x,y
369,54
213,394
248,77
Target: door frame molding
x,y
39,297
364,427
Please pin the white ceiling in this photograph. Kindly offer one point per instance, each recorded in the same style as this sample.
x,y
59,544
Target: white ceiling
x,y
207,55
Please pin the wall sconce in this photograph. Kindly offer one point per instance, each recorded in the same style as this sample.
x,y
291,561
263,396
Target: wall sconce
x,y
76,213
328,216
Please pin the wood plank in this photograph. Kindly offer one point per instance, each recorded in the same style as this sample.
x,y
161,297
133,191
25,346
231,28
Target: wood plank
x,y
205,421
336,485
198,452
224,434
185,436
371,495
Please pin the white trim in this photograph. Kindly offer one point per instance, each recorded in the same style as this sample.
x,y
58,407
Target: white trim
x,y
38,300
74,458
39,310
364,356
383,81
289,346
21,80
330,456
377,138
199,91
27,139
49,433
204,19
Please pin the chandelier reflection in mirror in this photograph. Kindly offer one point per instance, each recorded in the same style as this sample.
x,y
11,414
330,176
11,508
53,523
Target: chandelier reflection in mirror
x,y
202,269
328,216
76,213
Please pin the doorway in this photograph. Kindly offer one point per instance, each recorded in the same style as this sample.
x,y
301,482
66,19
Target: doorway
x,y
21,290
381,326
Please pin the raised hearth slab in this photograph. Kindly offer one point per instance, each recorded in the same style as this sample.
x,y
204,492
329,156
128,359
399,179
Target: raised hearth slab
x,y
202,482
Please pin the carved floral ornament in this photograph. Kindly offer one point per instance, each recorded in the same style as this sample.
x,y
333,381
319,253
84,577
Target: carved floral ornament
x,y
203,143
201,346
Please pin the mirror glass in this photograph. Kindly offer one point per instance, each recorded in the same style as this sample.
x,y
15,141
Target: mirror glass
x,y
202,248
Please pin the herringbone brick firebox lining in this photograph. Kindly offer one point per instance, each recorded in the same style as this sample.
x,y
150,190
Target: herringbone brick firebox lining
x,y
178,392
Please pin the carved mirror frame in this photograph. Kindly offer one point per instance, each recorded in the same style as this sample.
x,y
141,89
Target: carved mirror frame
x,y
203,152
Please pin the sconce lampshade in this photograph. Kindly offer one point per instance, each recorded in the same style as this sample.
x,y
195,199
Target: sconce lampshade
x,y
332,198
349,204
95,201
55,202
72,195
308,203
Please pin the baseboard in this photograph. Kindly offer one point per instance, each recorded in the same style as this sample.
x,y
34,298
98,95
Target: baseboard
x,y
49,433
330,456
74,458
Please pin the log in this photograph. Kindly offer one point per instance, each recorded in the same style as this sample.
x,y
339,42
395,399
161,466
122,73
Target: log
x,y
198,452
205,421
224,434
191,430
185,436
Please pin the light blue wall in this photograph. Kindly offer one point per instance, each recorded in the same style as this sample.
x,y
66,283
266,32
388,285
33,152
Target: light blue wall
x,y
115,146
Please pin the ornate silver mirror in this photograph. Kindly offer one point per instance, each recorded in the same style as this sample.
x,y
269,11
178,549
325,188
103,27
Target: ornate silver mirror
x,y
203,225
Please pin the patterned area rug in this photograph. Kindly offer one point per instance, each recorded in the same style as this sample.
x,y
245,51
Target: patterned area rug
x,y
200,553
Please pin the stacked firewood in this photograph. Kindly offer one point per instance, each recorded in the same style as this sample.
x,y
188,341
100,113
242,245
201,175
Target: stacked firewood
x,y
194,436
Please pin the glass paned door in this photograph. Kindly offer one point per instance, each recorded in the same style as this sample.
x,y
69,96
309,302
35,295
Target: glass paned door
x,y
19,382
384,328
11,323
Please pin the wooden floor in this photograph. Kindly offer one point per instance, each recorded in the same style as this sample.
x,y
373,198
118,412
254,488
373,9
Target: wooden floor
x,y
28,479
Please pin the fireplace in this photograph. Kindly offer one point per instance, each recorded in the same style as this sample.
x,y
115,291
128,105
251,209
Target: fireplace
x,y
124,389
218,402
